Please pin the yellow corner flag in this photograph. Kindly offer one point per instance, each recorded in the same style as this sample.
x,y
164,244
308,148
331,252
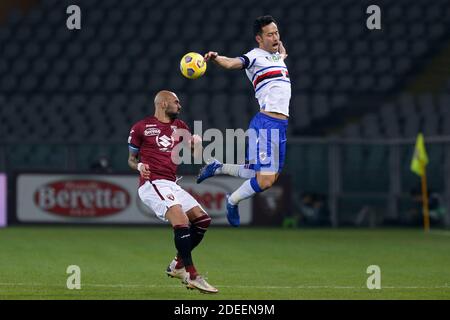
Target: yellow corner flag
x,y
420,158
418,166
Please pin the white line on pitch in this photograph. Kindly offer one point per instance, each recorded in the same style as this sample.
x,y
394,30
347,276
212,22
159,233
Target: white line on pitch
x,y
446,286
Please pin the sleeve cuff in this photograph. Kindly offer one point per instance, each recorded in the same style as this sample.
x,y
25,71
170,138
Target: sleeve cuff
x,y
245,61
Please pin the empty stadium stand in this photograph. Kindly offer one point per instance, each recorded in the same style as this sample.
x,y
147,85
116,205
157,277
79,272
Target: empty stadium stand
x,y
93,83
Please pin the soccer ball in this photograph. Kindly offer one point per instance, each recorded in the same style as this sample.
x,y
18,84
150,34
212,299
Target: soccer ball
x,y
192,65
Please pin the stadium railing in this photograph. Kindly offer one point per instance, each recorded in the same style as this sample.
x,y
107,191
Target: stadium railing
x,y
364,182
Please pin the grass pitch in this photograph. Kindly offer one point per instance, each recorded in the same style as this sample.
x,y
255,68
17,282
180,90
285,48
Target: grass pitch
x,y
129,263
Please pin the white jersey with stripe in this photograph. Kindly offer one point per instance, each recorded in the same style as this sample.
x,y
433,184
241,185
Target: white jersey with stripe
x,y
270,79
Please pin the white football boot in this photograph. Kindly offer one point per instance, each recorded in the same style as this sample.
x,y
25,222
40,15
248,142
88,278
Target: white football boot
x,y
200,284
177,273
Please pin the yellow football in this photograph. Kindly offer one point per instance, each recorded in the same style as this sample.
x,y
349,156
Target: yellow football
x,y
192,65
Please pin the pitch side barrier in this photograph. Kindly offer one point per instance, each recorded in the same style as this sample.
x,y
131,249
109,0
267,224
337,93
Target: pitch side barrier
x,y
111,199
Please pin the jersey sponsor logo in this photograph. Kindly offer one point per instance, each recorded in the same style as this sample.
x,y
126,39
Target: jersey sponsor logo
x,y
82,198
274,58
152,132
165,142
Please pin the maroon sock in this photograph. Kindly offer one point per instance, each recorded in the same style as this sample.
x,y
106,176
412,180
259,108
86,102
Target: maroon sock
x,y
192,272
180,263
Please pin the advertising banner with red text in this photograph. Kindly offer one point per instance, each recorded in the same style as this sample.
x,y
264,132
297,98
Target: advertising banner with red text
x,y
110,199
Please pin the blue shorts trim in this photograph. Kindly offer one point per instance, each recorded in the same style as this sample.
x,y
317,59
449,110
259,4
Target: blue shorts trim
x,y
255,185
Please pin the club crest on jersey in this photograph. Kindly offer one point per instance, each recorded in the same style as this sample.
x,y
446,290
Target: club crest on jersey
x,y
262,156
170,197
152,132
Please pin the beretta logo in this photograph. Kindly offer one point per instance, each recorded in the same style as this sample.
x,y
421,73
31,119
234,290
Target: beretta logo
x,y
82,198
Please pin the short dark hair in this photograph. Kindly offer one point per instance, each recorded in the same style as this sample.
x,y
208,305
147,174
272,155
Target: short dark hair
x,y
261,22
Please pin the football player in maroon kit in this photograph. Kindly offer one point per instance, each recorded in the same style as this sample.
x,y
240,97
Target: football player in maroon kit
x,y
151,143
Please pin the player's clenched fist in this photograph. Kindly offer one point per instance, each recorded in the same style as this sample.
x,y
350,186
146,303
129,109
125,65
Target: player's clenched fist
x,y
211,55
282,50
196,139
144,170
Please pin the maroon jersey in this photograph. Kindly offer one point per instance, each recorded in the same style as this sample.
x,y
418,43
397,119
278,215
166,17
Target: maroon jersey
x,y
155,140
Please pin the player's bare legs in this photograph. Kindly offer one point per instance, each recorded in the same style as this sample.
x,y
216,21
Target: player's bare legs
x,y
195,212
176,216
266,179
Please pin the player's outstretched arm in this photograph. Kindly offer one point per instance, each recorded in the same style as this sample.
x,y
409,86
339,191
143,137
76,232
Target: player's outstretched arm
x,y
224,62
133,163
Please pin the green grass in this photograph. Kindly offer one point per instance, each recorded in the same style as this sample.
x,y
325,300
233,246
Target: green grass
x,y
129,263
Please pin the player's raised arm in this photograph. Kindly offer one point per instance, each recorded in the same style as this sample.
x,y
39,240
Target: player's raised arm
x,y
224,62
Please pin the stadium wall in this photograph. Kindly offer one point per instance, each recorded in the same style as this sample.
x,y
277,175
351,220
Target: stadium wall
x,y
62,198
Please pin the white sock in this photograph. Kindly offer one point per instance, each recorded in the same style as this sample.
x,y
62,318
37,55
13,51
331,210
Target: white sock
x,y
243,192
236,170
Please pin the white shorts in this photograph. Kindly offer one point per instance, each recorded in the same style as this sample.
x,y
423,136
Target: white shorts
x,y
161,194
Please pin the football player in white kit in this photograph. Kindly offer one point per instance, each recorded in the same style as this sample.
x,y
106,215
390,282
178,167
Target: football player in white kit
x,y
266,70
